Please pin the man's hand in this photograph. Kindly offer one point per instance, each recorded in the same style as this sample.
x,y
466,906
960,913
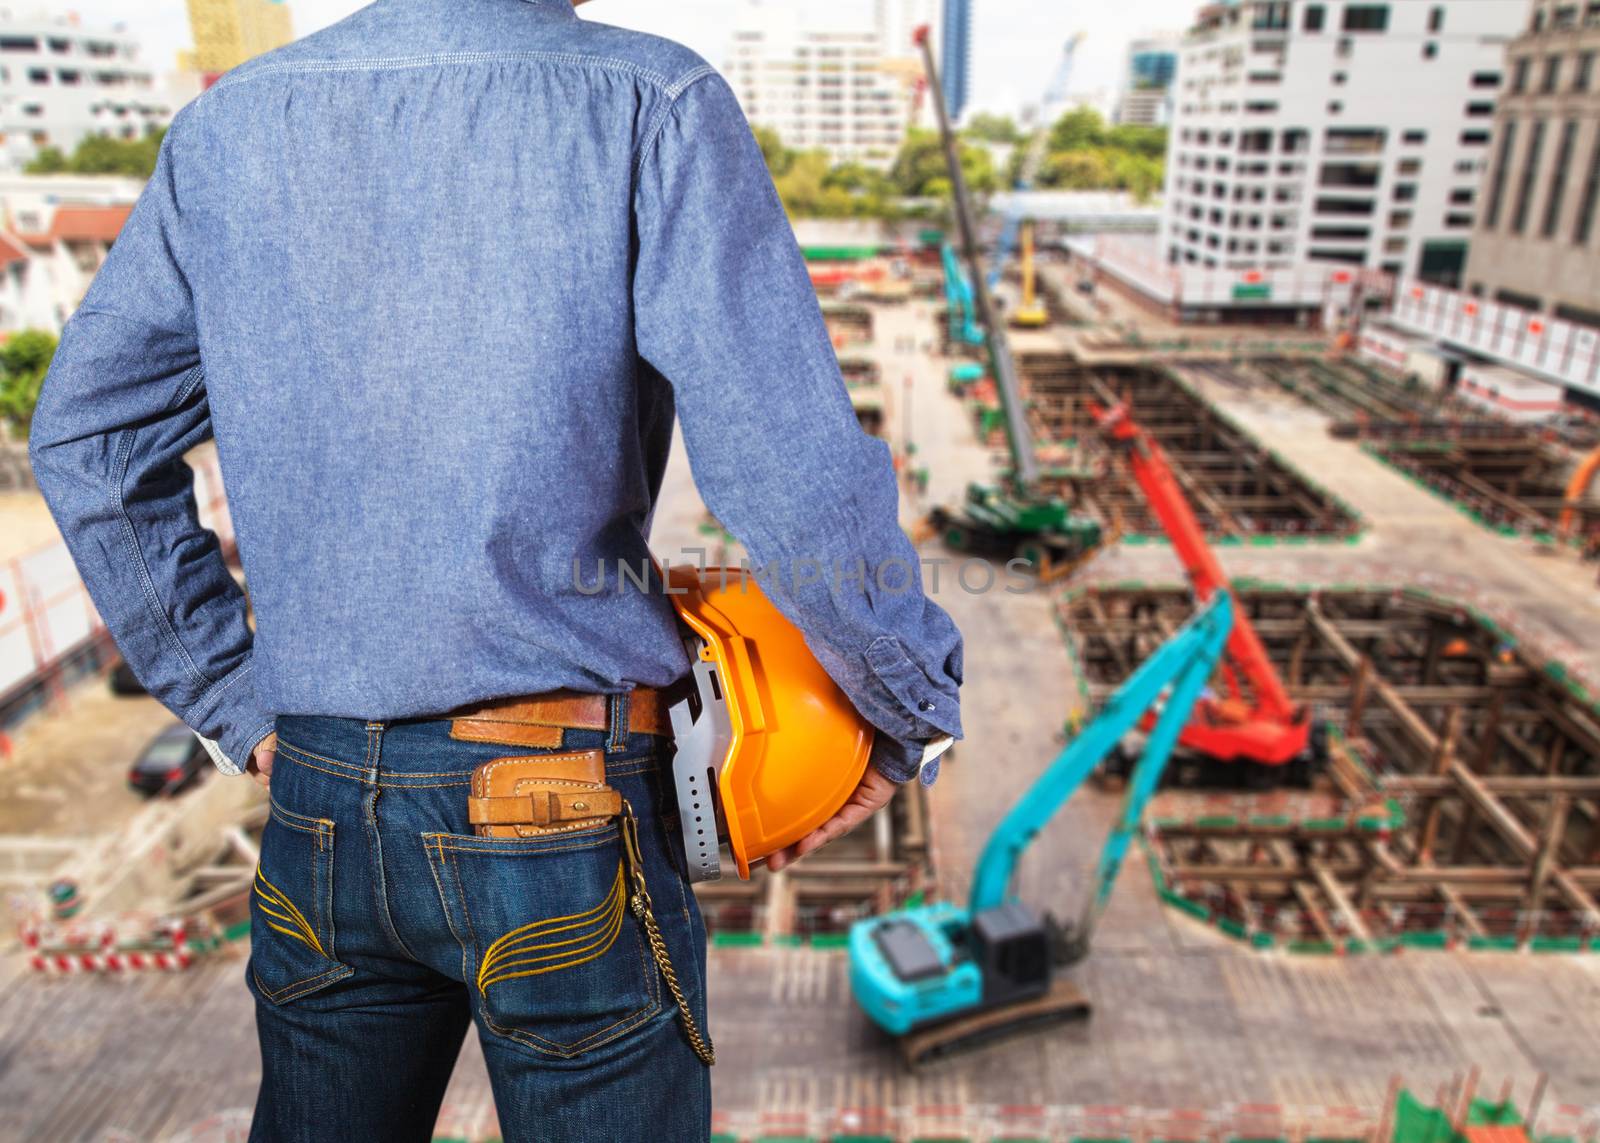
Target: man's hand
x,y
261,758
870,796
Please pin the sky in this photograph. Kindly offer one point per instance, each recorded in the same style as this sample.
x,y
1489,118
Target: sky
x,y
1015,42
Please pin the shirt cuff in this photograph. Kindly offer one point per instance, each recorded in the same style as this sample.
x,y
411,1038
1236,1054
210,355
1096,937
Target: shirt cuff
x,y
901,760
921,708
229,721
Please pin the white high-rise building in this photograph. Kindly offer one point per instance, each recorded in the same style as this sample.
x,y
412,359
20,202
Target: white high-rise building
x,y
1334,130
60,82
1145,99
826,76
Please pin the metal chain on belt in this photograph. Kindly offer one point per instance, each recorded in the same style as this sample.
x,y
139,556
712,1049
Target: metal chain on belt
x,y
641,906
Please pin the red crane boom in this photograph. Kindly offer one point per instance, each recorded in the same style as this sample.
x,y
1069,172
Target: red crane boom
x,y
1255,720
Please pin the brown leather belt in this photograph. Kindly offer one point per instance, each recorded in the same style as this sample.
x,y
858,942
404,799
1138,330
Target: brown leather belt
x,y
538,720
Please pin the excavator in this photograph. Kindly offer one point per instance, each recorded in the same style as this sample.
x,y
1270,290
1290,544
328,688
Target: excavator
x,y
1577,487
1252,719
1014,521
939,977
1030,312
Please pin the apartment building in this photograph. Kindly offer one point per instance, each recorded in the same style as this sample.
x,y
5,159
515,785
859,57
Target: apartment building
x,y
827,77
61,82
1536,244
1334,131
228,32
1152,65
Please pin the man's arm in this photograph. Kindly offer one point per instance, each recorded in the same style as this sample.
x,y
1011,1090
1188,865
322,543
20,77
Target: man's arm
x,y
725,311
124,399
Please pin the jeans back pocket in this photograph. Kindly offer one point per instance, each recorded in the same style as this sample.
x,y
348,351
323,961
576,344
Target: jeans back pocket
x,y
549,944
291,908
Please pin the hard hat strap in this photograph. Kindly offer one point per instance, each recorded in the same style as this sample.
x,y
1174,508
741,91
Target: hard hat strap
x,y
639,902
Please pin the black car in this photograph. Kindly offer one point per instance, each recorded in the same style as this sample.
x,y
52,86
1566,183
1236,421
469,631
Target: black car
x,y
123,681
173,761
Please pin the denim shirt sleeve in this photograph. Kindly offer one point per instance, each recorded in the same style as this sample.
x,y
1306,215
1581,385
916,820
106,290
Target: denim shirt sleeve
x,y
124,399
725,311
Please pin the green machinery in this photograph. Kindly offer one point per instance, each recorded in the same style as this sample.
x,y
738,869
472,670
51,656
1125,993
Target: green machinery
x,y
1014,520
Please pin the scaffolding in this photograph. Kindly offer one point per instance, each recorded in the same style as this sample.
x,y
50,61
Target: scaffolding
x,y
1464,804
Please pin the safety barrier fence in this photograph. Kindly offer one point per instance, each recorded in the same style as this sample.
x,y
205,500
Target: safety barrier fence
x,y
1562,351
128,944
48,621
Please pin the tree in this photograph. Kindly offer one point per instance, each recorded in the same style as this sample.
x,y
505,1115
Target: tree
x,y
1077,130
919,169
778,157
24,359
992,128
103,155
1088,169
1150,142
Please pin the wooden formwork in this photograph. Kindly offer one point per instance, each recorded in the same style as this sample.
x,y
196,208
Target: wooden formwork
x,y
1238,488
1464,796
1509,478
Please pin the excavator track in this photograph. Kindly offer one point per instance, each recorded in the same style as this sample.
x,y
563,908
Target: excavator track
x,y
1063,1003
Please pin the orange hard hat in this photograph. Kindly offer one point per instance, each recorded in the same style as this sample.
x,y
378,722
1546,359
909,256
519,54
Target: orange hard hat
x,y
768,746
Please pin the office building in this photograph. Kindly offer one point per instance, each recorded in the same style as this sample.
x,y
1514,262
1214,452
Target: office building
x,y
1145,99
1335,131
823,77
61,82
228,32
1536,244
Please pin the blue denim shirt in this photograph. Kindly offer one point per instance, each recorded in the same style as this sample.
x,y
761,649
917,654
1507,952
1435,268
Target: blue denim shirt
x,y
438,279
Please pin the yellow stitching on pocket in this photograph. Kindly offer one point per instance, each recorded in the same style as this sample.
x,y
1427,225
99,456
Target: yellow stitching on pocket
x,y
271,895
596,931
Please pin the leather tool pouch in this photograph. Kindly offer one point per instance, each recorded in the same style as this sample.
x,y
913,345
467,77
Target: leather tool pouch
x,y
541,794
536,795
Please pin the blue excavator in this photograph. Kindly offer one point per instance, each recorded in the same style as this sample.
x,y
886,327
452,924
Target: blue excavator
x,y
939,977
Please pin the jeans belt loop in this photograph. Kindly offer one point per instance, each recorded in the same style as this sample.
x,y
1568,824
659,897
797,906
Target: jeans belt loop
x,y
617,717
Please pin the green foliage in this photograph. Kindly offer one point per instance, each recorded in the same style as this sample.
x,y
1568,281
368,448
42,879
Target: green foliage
x,y
919,170
1078,130
992,128
812,187
779,158
1082,153
24,358
102,155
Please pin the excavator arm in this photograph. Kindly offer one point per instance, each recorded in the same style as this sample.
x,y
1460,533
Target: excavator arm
x,y
1170,681
1257,720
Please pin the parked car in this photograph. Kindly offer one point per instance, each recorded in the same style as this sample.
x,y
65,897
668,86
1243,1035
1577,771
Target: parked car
x,y
123,681
172,762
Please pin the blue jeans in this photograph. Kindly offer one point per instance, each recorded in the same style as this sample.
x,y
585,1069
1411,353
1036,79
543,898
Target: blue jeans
x,y
373,909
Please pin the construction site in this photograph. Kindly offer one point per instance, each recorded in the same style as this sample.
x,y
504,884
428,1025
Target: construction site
x,y
1284,756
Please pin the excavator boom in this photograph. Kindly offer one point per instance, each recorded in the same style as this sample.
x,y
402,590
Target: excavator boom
x,y
1258,721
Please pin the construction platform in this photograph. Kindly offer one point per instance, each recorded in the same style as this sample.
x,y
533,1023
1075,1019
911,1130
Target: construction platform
x,y
1240,487
1462,803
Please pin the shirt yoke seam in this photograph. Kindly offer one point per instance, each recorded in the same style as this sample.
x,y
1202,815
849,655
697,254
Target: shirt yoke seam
x,y
660,119
436,59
